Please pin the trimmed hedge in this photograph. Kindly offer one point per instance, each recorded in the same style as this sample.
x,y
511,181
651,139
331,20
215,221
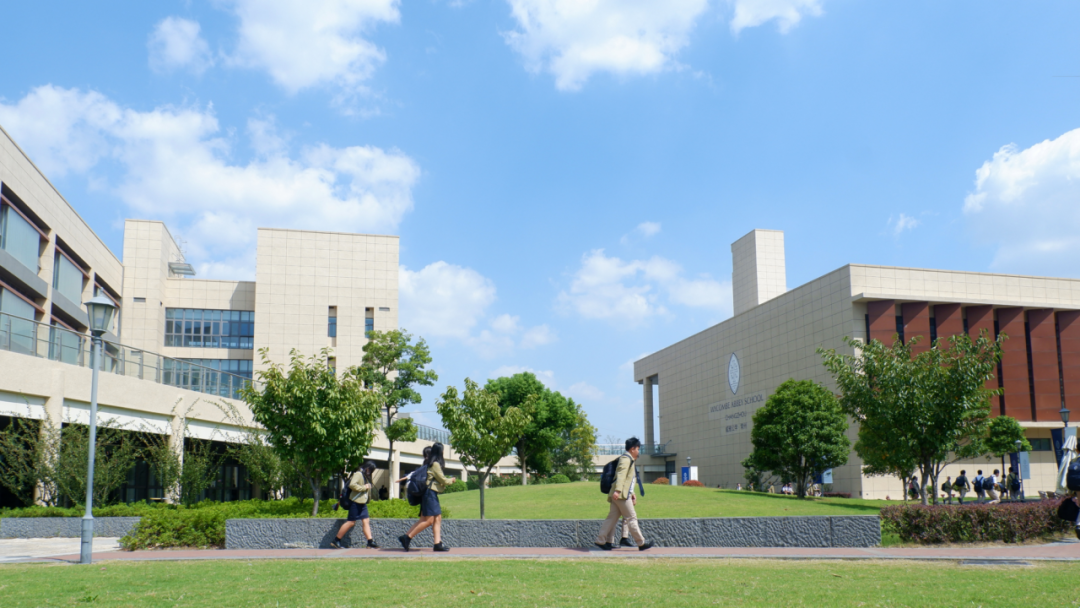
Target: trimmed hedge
x,y
836,495
457,486
693,483
664,481
1008,522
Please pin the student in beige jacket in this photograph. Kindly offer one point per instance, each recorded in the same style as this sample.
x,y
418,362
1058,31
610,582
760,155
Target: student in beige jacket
x,y
430,510
622,501
360,494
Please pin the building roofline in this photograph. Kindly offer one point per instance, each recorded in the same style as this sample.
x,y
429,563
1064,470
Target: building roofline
x,y
985,274
385,236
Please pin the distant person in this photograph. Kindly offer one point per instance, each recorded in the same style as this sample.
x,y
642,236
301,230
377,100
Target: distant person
x,y
359,495
384,493
913,488
772,489
993,487
622,500
980,491
1012,482
962,486
738,486
947,489
430,510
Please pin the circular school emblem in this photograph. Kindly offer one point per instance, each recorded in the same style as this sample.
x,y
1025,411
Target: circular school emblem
x,y
733,374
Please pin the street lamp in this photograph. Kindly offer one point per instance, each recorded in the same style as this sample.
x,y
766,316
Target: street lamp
x,y
101,311
687,461
1064,414
1020,464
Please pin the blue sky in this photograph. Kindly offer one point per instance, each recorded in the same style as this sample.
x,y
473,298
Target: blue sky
x,y
566,176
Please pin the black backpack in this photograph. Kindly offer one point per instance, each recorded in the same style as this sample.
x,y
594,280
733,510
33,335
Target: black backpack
x,y
343,500
1072,476
1068,510
979,484
1014,485
607,477
417,485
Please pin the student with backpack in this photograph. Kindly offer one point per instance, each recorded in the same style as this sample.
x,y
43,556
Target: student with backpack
x,y
426,484
980,492
991,485
1013,483
962,486
616,482
357,495
947,489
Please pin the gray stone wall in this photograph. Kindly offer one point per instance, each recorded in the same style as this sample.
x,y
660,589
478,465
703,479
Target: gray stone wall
x,y
816,531
64,527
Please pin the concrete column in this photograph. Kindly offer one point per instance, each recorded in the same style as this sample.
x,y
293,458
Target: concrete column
x,y
50,429
464,473
176,443
650,437
395,473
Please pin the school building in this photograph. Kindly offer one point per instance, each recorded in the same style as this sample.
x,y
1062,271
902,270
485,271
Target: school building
x,y
705,388
178,343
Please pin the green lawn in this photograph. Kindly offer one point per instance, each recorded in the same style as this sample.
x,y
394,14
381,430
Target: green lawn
x,y
511,583
584,501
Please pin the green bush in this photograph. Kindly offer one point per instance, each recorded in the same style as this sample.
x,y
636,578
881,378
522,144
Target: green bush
x,y
457,486
472,484
560,478
199,528
1008,522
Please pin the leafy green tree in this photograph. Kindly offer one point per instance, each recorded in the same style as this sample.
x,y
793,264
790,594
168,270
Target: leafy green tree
x,y
392,366
29,450
115,456
481,431
320,422
799,432
1002,435
573,457
885,453
935,402
552,415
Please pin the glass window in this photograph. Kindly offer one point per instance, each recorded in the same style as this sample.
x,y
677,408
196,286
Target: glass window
x,y
68,279
332,327
17,329
369,326
209,328
19,238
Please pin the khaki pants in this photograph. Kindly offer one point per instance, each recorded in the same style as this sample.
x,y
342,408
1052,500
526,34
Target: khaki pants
x,y
624,509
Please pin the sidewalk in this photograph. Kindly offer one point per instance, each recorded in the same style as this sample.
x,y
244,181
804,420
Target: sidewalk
x,y
1062,551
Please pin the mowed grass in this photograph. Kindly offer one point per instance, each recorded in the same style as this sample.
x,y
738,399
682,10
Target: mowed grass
x,y
583,500
512,583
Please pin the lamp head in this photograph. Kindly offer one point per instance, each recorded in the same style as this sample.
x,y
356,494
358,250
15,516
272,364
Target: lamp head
x,y
1019,444
101,310
687,461
1064,414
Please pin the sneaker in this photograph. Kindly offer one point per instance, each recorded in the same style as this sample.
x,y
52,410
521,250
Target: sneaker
x,y
336,544
626,543
440,548
1078,532
605,546
646,546
371,544
405,541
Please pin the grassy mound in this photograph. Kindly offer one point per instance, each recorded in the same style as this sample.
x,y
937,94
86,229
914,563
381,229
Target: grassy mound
x,y
583,500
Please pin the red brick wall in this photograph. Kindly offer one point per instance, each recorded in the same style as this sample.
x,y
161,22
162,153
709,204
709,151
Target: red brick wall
x,y
1014,364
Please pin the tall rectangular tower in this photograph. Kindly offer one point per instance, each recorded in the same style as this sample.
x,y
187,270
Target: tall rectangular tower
x,y
758,272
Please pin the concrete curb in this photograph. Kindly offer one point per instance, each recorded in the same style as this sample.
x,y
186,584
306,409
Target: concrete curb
x,y
64,527
811,531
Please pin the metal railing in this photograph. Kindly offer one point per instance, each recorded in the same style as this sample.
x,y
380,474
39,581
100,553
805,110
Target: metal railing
x,y
428,433
19,335
617,449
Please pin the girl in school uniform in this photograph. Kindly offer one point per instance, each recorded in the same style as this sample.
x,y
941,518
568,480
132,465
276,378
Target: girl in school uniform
x,y
360,494
430,511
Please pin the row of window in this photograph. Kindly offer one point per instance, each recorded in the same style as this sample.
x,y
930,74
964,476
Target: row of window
x,y
197,328
19,238
237,367
331,326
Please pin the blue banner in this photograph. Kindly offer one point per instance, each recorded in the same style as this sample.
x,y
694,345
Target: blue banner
x,y
1057,436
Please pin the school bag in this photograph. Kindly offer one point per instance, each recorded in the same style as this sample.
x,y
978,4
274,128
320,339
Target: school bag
x,y
978,485
417,485
1068,510
1014,485
343,499
607,476
946,487
1072,476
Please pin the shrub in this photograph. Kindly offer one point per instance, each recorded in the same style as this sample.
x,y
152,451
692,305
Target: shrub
x,y
201,528
693,483
662,481
837,494
1009,522
457,486
472,484
560,478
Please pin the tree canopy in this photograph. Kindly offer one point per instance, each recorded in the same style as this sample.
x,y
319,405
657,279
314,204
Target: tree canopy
x,y
799,432
314,418
481,432
553,417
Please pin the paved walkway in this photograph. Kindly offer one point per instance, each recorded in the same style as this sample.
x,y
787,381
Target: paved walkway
x,y
106,551
30,549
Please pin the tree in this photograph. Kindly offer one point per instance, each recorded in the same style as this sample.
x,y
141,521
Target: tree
x,y
29,450
114,457
551,416
319,421
574,456
391,367
799,432
481,432
885,453
935,403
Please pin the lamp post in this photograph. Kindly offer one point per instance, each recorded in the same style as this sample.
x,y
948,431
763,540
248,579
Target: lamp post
x,y
1019,474
1064,414
101,311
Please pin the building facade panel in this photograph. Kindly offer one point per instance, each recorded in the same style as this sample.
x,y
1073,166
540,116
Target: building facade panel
x,y
949,321
1015,364
917,324
882,316
1068,327
1045,376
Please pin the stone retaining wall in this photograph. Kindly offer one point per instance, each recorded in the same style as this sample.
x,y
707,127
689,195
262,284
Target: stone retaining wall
x,y
813,531
64,527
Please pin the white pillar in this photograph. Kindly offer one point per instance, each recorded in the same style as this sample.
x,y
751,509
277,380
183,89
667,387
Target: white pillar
x,y
650,437
395,473
176,443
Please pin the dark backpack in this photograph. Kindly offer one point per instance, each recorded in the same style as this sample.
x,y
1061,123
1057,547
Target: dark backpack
x,y
1068,510
1072,476
978,485
343,500
417,485
607,477
1014,484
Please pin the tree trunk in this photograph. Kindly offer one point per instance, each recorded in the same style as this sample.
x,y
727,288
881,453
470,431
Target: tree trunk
x,y
925,472
314,495
483,481
524,468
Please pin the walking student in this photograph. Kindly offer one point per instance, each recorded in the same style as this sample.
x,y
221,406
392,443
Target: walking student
x,y
962,486
430,511
621,501
947,489
991,484
1013,484
979,491
359,496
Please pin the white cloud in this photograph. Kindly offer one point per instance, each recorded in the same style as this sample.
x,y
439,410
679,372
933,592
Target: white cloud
x,y
629,292
644,230
787,13
176,44
545,376
583,391
573,39
902,223
176,165
538,336
1026,203
314,42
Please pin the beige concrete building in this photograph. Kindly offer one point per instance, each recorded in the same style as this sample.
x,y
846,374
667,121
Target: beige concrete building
x,y
179,344
708,386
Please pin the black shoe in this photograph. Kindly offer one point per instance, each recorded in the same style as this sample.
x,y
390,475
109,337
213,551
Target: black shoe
x,y
626,543
1078,532
605,546
405,541
371,544
336,544
440,548
645,547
